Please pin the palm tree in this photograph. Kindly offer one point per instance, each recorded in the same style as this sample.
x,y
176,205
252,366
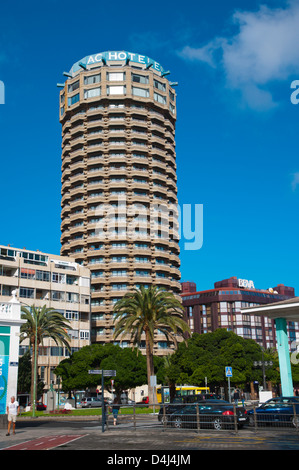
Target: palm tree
x,y
142,312
42,322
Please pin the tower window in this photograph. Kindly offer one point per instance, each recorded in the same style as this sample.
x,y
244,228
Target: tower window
x,y
116,90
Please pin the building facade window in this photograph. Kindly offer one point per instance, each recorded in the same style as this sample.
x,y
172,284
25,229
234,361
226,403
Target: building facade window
x,y
144,92
160,98
115,76
73,86
91,79
26,293
73,99
116,90
92,92
140,78
159,85
59,278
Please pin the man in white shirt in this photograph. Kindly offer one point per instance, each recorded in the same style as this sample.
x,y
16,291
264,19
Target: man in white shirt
x,y
13,409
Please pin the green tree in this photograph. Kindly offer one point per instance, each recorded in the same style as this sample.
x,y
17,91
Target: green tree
x,y
74,370
24,373
130,369
207,356
64,370
129,365
143,312
24,376
41,323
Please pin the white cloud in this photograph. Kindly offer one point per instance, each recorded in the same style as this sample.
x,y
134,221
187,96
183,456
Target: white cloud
x,y
264,50
203,54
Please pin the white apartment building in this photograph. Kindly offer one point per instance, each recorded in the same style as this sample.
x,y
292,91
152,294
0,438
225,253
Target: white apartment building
x,y
55,281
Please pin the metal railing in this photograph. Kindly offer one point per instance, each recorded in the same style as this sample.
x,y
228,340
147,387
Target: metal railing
x,y
201,416
205,416
281,416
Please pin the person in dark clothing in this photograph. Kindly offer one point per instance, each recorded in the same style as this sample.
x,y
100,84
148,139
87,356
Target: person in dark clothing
x,y
115,410
236,396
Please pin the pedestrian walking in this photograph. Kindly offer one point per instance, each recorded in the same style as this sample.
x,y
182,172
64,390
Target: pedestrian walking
x,y
236,396
13,409
243,398
115,410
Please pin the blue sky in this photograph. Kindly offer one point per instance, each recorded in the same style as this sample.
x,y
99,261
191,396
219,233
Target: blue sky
x,y
236,135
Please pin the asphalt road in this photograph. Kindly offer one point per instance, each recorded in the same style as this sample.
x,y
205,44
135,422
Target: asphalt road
x,y
148,439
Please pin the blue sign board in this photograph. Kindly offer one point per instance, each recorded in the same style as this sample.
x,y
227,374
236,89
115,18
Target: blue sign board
x,y
3,382
4,363
228,371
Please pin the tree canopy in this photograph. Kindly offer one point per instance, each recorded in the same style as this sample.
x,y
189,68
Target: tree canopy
x,y
24,376
207,356
199,357
129,365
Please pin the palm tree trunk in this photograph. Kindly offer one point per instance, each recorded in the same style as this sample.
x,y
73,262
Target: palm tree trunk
x,y
32,378
150,367
33,391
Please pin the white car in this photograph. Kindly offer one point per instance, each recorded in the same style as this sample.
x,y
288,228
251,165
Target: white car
x,y
91,402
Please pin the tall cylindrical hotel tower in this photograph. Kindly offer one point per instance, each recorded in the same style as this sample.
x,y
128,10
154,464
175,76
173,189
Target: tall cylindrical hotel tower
x,y
119,192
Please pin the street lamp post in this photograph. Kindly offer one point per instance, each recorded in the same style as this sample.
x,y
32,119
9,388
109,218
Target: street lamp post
x,y
263,364
58,385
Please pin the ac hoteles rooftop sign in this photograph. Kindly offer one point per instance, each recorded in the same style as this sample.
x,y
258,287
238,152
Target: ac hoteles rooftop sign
x,y
109,56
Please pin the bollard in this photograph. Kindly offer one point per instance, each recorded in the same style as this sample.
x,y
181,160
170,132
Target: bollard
x,y
235,419
107,419
134,417
295,418
197,418
255,418
164,417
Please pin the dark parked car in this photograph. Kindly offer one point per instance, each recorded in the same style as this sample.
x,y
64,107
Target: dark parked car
x,y
178,402
280,410
200,397
216,413
168,409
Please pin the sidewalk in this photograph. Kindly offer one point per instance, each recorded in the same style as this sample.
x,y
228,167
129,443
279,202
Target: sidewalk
x,y
86,434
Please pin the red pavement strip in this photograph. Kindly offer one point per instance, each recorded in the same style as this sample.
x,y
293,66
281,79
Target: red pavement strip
x,y
45,443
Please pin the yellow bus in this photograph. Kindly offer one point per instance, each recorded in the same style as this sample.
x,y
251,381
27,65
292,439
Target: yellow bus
x,y
180,391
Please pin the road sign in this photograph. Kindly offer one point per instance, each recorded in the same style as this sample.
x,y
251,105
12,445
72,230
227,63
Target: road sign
x,y
109,373
103,373
229,374
106,373
153,381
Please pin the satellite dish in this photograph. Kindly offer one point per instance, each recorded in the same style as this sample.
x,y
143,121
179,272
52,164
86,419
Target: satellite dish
x,y
270,290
